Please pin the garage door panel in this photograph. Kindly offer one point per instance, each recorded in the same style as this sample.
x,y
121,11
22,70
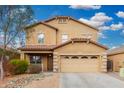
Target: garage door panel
x,y
79,65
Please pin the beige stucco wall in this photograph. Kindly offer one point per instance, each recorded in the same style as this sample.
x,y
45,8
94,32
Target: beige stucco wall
x,y
32,35
73,29
117,61
80,47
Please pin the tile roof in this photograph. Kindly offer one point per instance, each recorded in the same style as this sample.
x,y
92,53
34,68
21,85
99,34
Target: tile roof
x,y
116,50
52,47
71,19
80,40
37,47
41,23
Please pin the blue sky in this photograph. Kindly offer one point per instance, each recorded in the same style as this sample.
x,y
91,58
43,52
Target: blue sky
x,y
108,18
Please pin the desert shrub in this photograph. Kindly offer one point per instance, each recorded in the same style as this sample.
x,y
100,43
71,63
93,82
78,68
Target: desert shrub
x,y
17,66
34,68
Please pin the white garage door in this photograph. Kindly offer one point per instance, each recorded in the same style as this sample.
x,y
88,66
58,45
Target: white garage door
x,y
79,63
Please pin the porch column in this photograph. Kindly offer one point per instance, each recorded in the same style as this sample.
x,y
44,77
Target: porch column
x,y
22,56
104,62
27,57
55,62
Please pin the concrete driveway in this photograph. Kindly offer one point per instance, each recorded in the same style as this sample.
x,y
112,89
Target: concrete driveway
x,y
89,80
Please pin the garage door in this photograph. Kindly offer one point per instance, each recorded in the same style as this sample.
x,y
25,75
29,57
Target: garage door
x,y
79,64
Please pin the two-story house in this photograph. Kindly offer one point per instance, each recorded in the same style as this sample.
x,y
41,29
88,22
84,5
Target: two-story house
x,y
64,44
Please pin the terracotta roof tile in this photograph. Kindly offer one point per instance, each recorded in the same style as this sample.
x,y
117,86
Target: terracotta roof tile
x,y
80,39
37,47
69,17
52,47
41,23
116,50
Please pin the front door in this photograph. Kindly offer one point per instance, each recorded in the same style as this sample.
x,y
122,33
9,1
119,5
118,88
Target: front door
x,y
50,63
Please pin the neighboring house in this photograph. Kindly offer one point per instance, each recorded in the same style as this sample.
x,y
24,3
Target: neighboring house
x,y
63,44
116,56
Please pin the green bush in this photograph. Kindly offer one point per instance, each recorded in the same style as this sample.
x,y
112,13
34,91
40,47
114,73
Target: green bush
x,y
18,66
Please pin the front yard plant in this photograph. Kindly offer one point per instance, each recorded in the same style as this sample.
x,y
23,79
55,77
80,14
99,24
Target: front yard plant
x,y
18,66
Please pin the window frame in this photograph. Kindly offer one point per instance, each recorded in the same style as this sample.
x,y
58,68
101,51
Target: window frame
x,y
74,57
64,40
43,38
84,57
35,60
62,21
66,57
93,57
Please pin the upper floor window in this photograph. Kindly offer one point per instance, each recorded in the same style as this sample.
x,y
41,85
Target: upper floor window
x,y
62,20
64,38
41,38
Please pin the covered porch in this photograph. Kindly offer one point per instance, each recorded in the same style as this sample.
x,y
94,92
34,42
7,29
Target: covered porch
x,y
42,58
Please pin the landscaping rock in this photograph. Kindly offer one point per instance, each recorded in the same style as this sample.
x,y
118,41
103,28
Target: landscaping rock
x,y
22,81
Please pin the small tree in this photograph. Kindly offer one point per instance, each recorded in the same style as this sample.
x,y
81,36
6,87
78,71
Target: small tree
x,y
13,19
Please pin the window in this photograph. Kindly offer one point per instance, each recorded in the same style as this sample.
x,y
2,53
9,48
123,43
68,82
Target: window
x,y
41,38
64,38
93,57
62,20
74,57
66,57
35,59
84,57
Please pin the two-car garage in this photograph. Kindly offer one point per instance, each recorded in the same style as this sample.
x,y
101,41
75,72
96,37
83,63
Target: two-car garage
x,y
80,56
79,63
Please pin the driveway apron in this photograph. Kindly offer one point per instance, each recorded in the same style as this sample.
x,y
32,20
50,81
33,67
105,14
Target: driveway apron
x,y
89,80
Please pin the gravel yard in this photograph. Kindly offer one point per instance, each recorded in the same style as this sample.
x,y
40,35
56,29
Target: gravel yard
x,y
31,80
51,80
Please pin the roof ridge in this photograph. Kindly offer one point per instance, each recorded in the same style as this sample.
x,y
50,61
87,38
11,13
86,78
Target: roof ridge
x,y
41,23
72,19
80,39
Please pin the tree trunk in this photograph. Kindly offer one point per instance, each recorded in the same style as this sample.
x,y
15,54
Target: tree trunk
x,y
1,68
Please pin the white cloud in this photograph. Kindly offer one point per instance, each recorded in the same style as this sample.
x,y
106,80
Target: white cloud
x,y
85,7
113,47
101,35
120,14
122,33
91,22
118,26
98,21
102,28
101,17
